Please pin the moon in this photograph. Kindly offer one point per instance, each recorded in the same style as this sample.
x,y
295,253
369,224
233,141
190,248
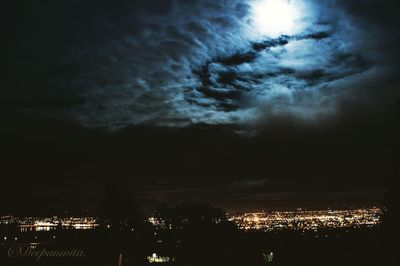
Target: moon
x,y
272,18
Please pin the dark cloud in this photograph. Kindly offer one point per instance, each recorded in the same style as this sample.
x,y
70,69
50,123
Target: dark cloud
x,y
226,85
178,62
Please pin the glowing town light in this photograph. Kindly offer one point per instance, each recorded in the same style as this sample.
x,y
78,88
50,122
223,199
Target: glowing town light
x,y
154,258
268,257
275,17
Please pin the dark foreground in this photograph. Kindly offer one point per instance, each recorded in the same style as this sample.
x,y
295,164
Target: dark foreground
x,y
360,246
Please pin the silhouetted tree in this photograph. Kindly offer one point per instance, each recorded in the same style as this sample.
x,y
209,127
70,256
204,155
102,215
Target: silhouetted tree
x,y
201,233
121,223
118,208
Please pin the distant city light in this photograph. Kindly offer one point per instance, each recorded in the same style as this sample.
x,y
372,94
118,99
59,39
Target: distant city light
x,y
266,221
307,220
27,224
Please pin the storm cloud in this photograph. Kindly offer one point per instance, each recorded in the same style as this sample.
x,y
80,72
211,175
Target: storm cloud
x,y
180,62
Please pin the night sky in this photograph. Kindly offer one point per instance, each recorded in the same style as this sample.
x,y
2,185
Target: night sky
x,y
246,104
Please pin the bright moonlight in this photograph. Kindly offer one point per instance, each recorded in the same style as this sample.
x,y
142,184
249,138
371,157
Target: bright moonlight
x,y
276,17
